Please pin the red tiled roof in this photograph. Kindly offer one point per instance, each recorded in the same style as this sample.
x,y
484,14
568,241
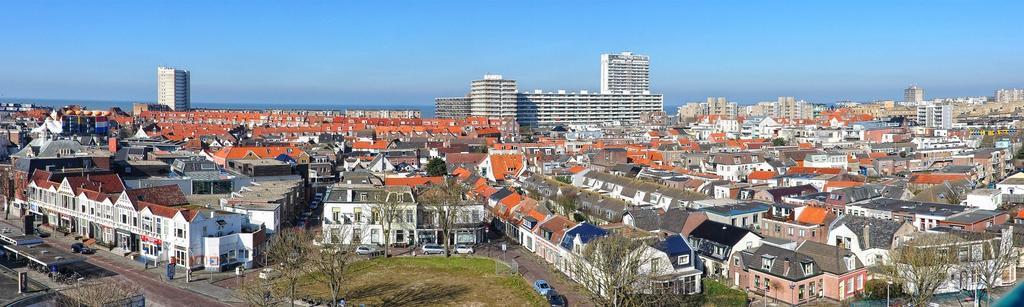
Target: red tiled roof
x,y
761,175
263,152
506,166
936,178
813,215
557,225
413,181
165,195
814,170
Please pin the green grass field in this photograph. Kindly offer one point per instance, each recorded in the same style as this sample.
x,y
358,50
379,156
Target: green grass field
x,y
429,281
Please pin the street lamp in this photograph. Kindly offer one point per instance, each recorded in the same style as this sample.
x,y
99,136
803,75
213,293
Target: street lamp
x,y
792,294
887,284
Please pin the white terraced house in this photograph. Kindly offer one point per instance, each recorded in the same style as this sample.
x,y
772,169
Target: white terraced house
x,y
155,223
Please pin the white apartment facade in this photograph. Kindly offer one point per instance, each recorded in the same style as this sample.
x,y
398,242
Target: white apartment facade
x,y
939,116
1010,95
583,107
174,88
913,93
493,96
625,73
451,107
350,217
789,107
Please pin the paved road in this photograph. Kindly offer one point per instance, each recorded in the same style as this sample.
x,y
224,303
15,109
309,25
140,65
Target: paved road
x,y
534,268
157,292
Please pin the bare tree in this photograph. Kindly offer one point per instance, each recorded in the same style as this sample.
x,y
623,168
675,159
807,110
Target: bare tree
x,y
7,188
444,203
109,292
998,257
387,208
289,249
923,264
259,294
329,265
618,272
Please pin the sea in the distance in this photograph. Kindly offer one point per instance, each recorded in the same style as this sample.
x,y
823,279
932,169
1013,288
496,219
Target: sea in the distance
x,y
427,109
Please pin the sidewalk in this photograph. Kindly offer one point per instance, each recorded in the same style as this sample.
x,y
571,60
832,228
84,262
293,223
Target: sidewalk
x,y
202,282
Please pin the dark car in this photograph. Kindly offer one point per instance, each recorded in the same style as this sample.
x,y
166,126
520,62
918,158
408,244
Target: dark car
x,y
557,300
41,234
81,248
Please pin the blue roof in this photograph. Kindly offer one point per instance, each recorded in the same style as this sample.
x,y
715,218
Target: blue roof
x,y
673,245
585,231
285,158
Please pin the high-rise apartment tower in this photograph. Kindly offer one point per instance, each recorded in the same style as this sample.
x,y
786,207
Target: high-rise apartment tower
x,y
173,89
625,73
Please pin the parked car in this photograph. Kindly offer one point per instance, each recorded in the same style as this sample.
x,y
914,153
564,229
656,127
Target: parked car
x,y
431,248
463,249
269,273
366,249
556,300
81,248
542,287
41,233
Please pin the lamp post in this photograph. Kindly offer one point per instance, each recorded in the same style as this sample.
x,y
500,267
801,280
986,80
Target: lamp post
x,y
975,282
792,294
767,287
887,284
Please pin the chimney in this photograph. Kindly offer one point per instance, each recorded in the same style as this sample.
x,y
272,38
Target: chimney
x,y
867,237
785,266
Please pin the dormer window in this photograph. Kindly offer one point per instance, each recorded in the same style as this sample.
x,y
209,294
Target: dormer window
x,y
683,259
766,262
808,268
849,262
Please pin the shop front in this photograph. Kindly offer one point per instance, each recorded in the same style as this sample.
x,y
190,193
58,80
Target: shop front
x,y
125,240
151,247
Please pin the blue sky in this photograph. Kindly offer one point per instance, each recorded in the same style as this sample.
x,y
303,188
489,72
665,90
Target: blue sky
x,y
412,51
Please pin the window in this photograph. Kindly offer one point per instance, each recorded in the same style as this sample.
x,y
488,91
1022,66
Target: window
x,y
757,282
860,282
179,233
810,288
683,260
976,252
961,254
789,230
802,233
849,262
733,222
808,268
755,219
849,285
766,262
800,294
